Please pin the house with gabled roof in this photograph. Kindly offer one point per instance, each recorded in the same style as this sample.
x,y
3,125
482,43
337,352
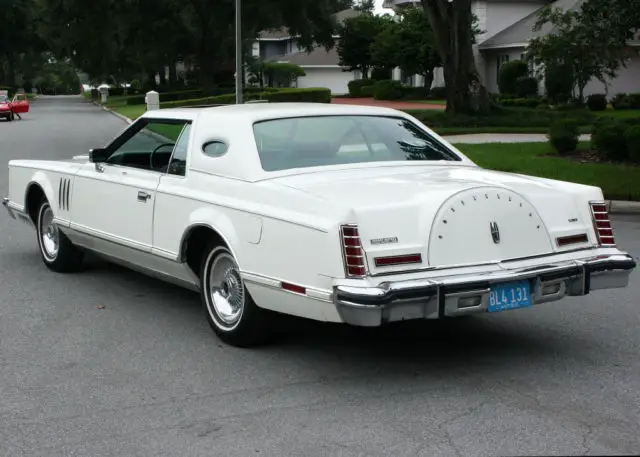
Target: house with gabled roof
x,y
322,68
507,27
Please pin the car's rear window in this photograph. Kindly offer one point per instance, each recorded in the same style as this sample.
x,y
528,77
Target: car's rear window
x,y
334,140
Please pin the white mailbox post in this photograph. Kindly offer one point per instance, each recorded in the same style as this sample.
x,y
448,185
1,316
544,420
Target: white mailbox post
x,y
152,99
104,93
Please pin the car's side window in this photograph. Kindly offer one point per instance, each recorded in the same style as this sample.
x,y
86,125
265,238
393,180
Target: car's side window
x,y
215,148
178,164
149,145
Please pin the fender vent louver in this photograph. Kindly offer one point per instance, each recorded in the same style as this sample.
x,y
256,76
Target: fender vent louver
x,y
64,188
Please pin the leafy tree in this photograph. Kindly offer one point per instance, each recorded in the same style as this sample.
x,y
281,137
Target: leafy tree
x,y
579,43
615,21
452,22
408,44
366,6
357,37
18,36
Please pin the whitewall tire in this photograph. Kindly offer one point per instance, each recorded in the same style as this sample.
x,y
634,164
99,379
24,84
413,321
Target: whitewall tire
x,y
230,310
57,252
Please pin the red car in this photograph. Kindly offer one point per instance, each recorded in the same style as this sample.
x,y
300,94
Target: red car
x,y
9,108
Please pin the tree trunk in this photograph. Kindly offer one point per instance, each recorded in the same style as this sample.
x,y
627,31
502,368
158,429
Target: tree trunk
x,y
151,77
173,74
428,79
453,31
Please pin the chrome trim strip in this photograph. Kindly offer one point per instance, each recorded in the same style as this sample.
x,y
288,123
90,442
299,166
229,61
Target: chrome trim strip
x,y
165,254
495,263
108,237
61,222
274,283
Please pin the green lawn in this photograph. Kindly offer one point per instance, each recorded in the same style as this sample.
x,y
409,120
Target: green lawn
x,y
618,182
620,113
133,112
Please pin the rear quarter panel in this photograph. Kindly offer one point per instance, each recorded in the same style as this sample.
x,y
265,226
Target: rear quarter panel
x,y
273,232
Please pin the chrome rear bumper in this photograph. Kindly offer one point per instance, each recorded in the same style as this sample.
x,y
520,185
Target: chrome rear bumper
x,y
16,212
450,296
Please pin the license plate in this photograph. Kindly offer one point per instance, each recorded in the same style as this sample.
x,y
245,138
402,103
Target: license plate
x,y
511,295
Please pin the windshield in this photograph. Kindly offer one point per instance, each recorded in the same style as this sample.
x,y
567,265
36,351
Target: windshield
x,y
4,99
335,140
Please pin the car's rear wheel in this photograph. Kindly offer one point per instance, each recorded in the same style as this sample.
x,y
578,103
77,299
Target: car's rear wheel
x,y
56,250
231,312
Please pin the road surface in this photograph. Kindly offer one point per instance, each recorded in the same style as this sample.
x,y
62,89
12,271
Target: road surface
x,y
111,363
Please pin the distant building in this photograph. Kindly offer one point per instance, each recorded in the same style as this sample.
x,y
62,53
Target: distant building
x,y
321,67
508,27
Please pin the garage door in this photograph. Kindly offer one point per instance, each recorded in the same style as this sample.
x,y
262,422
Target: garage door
x,y
331,78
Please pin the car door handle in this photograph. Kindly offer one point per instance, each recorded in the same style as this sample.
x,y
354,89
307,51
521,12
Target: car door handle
x,y
143,196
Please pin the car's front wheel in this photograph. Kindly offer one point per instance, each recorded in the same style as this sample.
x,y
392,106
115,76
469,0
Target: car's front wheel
x,y
231,312
56,250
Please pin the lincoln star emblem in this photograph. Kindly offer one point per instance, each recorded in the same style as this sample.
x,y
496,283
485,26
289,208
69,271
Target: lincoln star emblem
x,y
495,232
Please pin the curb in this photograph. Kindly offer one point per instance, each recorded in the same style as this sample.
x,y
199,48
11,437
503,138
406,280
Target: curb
x,y
623,207
615,206
118,115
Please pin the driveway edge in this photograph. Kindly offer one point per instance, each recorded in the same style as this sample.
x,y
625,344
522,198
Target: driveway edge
x,y
118,115
623,207
615,206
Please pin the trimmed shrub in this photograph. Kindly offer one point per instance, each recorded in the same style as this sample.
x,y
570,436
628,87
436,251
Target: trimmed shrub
x,y
311,95
415,93
597,102
608,139
520,102
509,74
634,101
558,83
506,117
170,96
563,135
388,89
621,101
356,86
438,93
367,91
526,86
632,140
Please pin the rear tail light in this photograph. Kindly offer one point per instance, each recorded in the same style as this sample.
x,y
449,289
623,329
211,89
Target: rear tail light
x,y
572,239
398,260
352,253
602,224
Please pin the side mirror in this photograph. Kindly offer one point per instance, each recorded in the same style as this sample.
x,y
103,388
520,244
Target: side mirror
x,y
97,155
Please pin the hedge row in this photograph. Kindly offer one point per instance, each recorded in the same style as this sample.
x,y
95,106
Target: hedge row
x,y
504,117
626,101
196,93
387,89
312,95
612,139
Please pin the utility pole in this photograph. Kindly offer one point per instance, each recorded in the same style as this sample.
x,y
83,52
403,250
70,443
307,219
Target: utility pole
x,y
239,66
